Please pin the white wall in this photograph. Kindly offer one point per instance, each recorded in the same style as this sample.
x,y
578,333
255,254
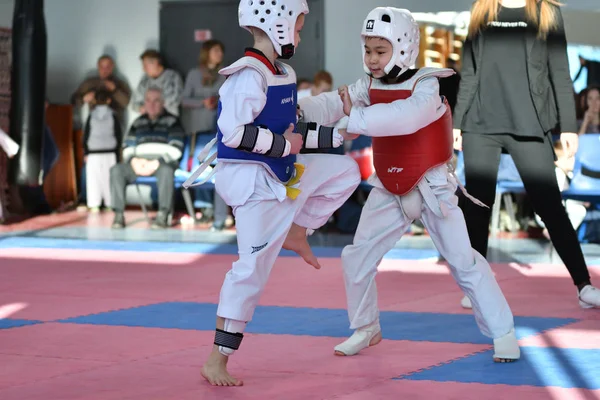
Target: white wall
x,y
80,30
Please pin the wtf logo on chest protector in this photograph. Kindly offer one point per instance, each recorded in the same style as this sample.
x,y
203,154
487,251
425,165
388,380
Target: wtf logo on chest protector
x,y
395,170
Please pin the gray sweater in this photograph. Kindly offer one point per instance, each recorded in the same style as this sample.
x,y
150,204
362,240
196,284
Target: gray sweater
x,y
170,83
198,118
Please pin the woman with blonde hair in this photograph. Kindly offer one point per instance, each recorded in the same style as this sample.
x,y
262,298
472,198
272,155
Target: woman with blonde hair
x,y
515,90
200,100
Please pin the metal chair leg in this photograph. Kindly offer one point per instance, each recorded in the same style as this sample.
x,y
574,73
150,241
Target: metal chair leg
x,y
170,216
142,203
510,209
496,214
189,205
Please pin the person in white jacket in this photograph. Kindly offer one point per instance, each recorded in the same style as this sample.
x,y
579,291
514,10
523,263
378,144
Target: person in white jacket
x,y
411,126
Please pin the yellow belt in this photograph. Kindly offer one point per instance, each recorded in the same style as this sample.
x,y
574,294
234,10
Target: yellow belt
x,y
292,192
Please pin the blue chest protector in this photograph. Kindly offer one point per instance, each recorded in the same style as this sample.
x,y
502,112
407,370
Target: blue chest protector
x,y
279,112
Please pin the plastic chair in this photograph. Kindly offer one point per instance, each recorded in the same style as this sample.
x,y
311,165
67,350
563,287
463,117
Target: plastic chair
x,y
183,174
151,180
585,185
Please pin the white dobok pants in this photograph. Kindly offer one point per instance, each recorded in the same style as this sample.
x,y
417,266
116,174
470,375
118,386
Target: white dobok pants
x,y
264,215
383,222
97,178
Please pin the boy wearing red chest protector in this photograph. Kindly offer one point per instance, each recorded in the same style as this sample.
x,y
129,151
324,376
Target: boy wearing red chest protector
x,y
411,126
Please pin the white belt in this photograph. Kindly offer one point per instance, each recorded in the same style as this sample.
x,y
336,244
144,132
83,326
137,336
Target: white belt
x,y
432,201
205,161
462,188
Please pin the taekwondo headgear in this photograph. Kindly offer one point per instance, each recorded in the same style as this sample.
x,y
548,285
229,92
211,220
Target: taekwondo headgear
x,y
277,18
400,28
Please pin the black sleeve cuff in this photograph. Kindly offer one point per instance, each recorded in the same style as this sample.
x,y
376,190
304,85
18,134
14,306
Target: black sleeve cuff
x,y
278,147
249,139
325,137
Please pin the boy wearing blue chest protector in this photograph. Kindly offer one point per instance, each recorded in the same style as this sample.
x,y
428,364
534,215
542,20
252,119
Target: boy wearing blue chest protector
x,y
277,194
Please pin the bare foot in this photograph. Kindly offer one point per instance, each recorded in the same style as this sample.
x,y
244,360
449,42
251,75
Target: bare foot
x,y
296,241
215,370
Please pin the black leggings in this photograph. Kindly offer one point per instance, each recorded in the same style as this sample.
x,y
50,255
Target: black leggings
x,y
534,158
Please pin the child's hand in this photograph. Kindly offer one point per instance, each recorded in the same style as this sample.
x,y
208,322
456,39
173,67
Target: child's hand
x,y
346,135
345,96
295,140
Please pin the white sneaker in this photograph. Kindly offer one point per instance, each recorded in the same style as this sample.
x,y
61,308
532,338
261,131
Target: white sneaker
x,y
362,338
589,297
466,303
507,347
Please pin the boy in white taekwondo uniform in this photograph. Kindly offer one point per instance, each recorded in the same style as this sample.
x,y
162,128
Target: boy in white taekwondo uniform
x,y
411,126
276,196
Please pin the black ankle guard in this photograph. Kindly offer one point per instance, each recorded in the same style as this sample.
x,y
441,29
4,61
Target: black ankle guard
x,y
228,339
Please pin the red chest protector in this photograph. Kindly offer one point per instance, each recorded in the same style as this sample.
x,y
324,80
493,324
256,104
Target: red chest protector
x,y
402,161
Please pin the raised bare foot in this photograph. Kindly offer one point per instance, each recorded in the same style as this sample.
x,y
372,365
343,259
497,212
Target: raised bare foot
x,y
296,241
215,371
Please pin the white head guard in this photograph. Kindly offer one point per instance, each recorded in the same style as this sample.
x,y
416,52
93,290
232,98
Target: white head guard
x,y
400,28
277,18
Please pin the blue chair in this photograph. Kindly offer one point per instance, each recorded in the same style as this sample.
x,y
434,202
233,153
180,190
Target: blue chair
x,y
151,181
182,174
585,185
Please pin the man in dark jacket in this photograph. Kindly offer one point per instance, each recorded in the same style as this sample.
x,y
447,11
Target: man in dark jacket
x,y
153,147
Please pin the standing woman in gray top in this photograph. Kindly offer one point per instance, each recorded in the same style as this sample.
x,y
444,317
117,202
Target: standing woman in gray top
x,y
200,101
515,90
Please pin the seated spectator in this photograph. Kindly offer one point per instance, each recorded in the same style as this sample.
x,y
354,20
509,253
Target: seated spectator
x,y
156,75
153,147
303,84
120,93
591,112
322,82
101,139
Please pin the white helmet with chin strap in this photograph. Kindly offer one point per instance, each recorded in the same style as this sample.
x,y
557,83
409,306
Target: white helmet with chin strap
x,y
400,28
277,18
